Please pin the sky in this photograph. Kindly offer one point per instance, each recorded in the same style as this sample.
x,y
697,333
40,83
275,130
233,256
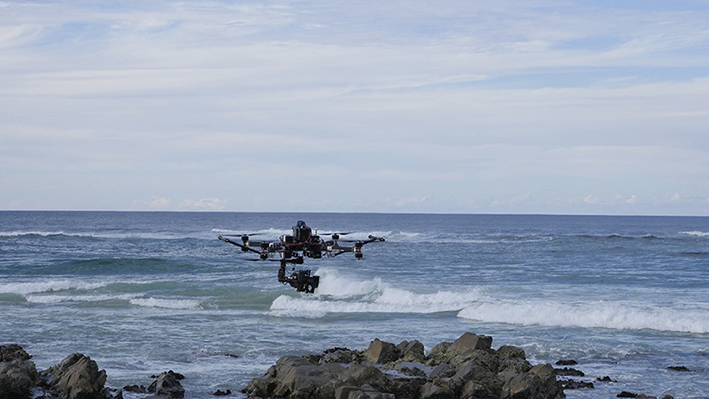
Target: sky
x,y
520,107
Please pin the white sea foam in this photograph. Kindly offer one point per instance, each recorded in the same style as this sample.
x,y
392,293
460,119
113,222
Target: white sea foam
x,y
25,288
696,233
613,315
32,233
78,298
166,303
339,294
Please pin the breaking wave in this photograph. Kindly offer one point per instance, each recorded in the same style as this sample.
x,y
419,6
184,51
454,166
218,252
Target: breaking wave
x,y
696,233
166,303
340,294
612,315
25,288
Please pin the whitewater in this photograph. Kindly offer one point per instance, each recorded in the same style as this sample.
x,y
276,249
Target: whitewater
x,y
142,293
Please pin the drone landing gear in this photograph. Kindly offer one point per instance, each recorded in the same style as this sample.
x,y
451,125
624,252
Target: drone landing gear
x,y
301,280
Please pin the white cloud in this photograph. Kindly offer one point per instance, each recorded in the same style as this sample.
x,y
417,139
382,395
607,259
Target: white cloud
x,y
528,105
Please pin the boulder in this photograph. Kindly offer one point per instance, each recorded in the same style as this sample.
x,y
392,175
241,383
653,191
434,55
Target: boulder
x,y
470,341
381,352
167,385
411,351
12,352
465,369
75,377
17,377
539,382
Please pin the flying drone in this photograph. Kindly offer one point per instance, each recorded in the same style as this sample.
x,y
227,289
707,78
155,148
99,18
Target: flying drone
x,y
292,249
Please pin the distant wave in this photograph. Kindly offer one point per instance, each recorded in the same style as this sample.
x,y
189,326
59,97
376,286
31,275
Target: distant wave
x,y
696,233
78,298
588,315
25,288
166,303
36,233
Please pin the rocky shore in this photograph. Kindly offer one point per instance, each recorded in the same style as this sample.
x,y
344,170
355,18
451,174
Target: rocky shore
x,y
467,368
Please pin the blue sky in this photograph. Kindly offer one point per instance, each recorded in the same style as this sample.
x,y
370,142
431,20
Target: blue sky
x,y
572,107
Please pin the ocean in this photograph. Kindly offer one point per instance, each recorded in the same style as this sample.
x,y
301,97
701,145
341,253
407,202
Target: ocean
x,y
145,292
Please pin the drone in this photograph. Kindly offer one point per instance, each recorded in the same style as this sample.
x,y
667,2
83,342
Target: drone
x,y
292,249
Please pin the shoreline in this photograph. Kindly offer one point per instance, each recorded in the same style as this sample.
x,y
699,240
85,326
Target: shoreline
x,y
450,370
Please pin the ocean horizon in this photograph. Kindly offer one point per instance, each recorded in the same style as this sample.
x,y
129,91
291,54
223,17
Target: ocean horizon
x,y
143,292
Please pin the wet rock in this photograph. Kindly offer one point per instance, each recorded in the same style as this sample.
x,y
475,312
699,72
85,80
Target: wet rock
x,y
411,351
167,384
569,372
75,377
381,352
605,379
136,388
219,392
13,352
576,384
467,368
17,377
567,362
678,368
470,341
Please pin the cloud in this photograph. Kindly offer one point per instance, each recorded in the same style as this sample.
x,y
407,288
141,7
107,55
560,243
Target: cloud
x,y
213,204
534,106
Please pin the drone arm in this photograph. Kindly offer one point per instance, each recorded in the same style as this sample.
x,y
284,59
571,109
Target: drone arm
x,y
242,246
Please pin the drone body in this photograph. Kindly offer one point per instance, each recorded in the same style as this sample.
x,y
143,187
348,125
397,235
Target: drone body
x,y
294,248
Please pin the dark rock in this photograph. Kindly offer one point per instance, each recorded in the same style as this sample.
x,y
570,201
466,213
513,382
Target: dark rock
x,y
470,341
605,379
678,368
411,351
13,352
438,354
466,369
576,384
512,357
17,377
381,352
567,362
167,384
338,355
219,392
569,372
135,388
626,394
75,377
539,382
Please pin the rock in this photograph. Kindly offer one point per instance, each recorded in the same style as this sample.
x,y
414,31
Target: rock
x,y
437,389
17,377
381,352
167,384
135,388
465,369
626,394
438,354
13,352
338,355
605,379
411,351
569,372
219,392
678,368
575,384
75,377
513,358
471,341
567,362
539,382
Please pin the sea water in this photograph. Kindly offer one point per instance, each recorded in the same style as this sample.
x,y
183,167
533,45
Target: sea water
x,y
142,293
